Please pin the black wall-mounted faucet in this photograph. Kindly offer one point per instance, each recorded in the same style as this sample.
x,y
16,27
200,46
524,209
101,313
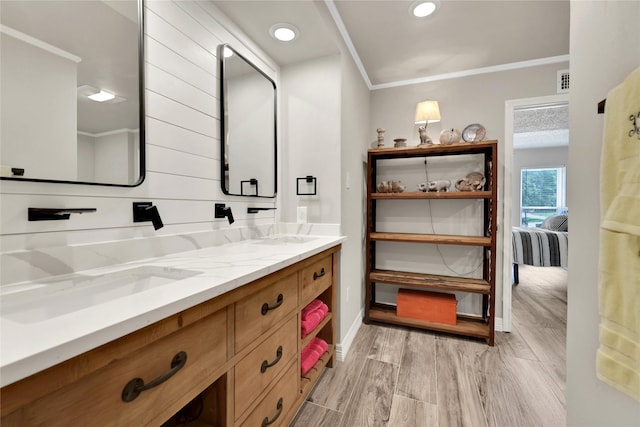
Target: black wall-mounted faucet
x,y
53,214
223,211
146,211
256,210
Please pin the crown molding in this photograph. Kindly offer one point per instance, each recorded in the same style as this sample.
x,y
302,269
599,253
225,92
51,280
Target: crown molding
x,y
476,71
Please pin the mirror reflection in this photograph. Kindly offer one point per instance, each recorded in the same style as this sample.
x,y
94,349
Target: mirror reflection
x,y
248,142
71,91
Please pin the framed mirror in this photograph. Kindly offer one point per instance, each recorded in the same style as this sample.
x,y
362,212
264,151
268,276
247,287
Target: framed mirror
x,y
72,82
248,127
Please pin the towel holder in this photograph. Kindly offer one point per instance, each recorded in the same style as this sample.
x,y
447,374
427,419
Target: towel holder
x,y
308,180
601,105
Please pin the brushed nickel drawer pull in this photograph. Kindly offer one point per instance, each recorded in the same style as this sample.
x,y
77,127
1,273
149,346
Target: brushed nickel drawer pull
x,y
316,276
266,420
266,365
137,385
265,307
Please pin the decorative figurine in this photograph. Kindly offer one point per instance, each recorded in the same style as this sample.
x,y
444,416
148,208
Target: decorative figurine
x,y
474,181
439,185
384,187
390,187
449,136
397,187
380,137
424,138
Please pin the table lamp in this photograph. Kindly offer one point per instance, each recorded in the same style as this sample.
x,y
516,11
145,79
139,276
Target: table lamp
x,y
427,112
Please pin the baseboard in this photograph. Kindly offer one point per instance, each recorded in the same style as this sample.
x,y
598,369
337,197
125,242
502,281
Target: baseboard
x,y
342,348
497,325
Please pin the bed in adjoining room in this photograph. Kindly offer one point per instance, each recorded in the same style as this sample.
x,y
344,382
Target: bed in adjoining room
x,y
546,246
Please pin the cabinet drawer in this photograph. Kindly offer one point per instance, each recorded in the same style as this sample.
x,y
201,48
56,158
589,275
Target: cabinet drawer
x,y
253,375
97,398
315,279
257,313
278,402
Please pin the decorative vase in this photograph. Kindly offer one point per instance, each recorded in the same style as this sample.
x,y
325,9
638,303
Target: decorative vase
x,y
449,136
400,142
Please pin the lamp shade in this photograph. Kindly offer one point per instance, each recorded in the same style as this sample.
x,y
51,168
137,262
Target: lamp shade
x,y
427,111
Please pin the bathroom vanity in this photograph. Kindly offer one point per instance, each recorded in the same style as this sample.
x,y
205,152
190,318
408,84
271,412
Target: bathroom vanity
x,y
222,354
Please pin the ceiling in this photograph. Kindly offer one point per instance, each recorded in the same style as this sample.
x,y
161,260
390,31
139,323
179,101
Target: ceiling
x,y
541,126
395,47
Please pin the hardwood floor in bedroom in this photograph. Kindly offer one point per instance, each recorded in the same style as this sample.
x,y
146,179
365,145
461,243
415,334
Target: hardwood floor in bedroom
x,y
401,377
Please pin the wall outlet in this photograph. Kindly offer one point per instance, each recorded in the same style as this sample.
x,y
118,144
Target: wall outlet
x,y
302,215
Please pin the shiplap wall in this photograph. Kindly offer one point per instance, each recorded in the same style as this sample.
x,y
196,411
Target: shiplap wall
x,y
182,145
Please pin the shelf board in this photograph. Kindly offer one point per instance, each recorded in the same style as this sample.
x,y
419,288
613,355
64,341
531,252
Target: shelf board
x,y
465,326
307,339
433,195
433,150
310,378
439,239
431,281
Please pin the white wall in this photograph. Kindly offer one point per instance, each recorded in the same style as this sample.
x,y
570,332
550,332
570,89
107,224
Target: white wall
x,y
113,156
182,146
549,157
605,37
86,155
474,99
39,111
311,108
355,130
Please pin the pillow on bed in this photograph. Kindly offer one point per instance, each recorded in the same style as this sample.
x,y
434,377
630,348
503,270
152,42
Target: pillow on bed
x,y
556,223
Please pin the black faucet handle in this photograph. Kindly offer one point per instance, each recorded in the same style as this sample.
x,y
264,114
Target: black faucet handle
x,y
147,211
155,217
223,211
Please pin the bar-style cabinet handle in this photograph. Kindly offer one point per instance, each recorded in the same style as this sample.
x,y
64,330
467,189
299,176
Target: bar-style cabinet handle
x,y
267,421
137,385
266,307
266,365
317,275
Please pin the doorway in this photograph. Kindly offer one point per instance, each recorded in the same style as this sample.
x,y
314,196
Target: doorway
x,y
512,107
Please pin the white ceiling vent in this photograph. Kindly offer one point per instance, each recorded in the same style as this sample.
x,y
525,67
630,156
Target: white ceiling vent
x,y
563,81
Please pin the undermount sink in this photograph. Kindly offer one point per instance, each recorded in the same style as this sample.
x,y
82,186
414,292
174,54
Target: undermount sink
x,y
283,240
48,299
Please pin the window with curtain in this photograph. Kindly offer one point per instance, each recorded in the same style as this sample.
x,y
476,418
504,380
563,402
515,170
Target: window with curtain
x,y
542,194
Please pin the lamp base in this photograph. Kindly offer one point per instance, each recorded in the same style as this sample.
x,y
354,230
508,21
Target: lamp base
x,y
425,141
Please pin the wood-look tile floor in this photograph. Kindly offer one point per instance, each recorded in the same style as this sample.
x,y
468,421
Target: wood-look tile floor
x,y
400,377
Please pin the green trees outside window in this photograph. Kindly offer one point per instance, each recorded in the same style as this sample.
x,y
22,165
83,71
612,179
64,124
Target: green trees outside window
x,y
542,194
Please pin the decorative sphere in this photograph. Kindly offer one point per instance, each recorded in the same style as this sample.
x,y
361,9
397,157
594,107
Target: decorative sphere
x,y
449,136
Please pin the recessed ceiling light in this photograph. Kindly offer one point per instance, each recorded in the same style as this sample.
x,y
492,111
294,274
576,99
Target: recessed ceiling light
x,y
98,95
101,96
423,8
283,32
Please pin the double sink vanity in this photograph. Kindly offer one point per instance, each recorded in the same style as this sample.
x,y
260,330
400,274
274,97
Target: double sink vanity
x,y
210,336
213,332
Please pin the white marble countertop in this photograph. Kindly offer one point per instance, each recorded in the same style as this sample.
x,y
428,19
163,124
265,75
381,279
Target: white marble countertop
x,y
47,322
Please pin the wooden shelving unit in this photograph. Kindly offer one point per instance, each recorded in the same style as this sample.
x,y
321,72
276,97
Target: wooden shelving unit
x,y
479,327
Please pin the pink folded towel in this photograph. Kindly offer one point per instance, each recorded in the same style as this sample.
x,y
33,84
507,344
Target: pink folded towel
x,y
311,354
311,307
312,319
